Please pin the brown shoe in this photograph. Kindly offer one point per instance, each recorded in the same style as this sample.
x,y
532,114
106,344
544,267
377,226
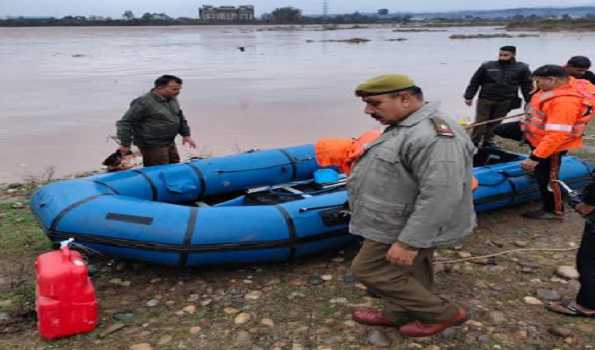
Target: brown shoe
x,y
418,329
371,317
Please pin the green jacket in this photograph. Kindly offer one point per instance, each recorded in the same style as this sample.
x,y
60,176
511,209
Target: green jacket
x,y
413,184
152,121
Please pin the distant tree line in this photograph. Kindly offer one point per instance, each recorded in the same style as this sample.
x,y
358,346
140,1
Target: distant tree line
x,y
282,15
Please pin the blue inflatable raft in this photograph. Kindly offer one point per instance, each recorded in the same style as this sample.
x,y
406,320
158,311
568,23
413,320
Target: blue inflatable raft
x,y
253,207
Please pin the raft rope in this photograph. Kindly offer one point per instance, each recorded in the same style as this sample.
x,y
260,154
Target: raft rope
x,y
504,253
473,125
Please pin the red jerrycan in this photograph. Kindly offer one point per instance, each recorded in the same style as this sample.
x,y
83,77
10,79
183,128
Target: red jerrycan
x,y
65,298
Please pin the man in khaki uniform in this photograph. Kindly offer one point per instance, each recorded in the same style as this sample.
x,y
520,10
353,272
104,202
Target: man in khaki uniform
x,y
409,193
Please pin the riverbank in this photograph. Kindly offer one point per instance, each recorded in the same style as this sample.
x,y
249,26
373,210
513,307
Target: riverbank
x,y
304,304
582,25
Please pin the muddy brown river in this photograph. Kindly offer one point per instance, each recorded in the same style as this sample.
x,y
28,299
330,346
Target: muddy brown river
x,y
64,88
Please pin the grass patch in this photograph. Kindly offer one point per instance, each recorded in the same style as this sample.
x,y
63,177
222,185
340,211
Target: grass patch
x,y
19,233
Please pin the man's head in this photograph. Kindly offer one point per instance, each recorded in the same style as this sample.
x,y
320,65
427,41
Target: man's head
x,y
168,86
506,54
549,77
390,98
577,66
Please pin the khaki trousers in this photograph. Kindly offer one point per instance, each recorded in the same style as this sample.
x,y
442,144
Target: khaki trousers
x,y
160,155
404,289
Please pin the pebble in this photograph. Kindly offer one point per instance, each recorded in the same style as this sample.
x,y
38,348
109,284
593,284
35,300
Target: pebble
x,y
497,317
193,297
587,328
532,301
326,277
350,323
111,329
432,347
548,295
473,323
567,272
206,302
195,330
5,303
141,346
152,302
243,339
123,316
274,281
521,244
4,317
464,255
339,259
254,295
448,333
558,280
230,311
267,322
377,338
121,266
529,264
296,346
190,309
295,295
155,280
242,318
314,280
560,331
339,300
166,339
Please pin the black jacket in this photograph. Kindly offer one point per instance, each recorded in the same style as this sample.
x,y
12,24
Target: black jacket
x,y
500,81
589,76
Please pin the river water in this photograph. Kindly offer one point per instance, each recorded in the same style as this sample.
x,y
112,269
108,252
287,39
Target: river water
x,y
64,88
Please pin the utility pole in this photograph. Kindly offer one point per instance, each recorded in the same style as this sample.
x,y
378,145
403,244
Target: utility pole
x,y
325,9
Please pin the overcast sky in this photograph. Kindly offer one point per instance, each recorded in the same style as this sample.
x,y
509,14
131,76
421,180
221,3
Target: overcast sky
x,y
188,8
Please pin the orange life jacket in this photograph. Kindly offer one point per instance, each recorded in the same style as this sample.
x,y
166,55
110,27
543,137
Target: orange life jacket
x,y
565,134
343,153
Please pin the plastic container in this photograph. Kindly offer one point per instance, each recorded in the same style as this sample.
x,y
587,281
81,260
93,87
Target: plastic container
x,y
65,297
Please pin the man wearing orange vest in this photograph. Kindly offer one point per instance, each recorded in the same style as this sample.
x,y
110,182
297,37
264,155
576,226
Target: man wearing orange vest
x,y
555,122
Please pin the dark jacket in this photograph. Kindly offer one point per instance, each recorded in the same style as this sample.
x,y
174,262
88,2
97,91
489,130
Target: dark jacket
x,y
152,121
500,81
589,76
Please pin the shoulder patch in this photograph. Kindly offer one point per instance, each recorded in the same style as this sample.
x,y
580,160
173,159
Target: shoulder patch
x,y
441,128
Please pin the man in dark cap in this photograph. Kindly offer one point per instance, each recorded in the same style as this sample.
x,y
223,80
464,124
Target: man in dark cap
x,y
153,121
584,305
578,67
409,192
499,82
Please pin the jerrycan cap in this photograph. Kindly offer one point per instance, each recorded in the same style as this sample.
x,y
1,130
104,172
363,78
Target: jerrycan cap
x,y
66,243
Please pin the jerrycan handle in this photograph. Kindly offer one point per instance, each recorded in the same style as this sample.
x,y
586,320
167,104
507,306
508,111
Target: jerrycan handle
x,y
64,248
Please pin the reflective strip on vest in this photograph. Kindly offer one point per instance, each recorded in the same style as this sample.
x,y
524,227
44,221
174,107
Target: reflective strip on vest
x,y
558,127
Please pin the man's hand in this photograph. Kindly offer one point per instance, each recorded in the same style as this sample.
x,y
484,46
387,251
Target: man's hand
x,y
124,150
529,165
468,102
398,254
187,140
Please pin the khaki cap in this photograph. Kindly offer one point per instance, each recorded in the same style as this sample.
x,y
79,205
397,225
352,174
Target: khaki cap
x,y
384,84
